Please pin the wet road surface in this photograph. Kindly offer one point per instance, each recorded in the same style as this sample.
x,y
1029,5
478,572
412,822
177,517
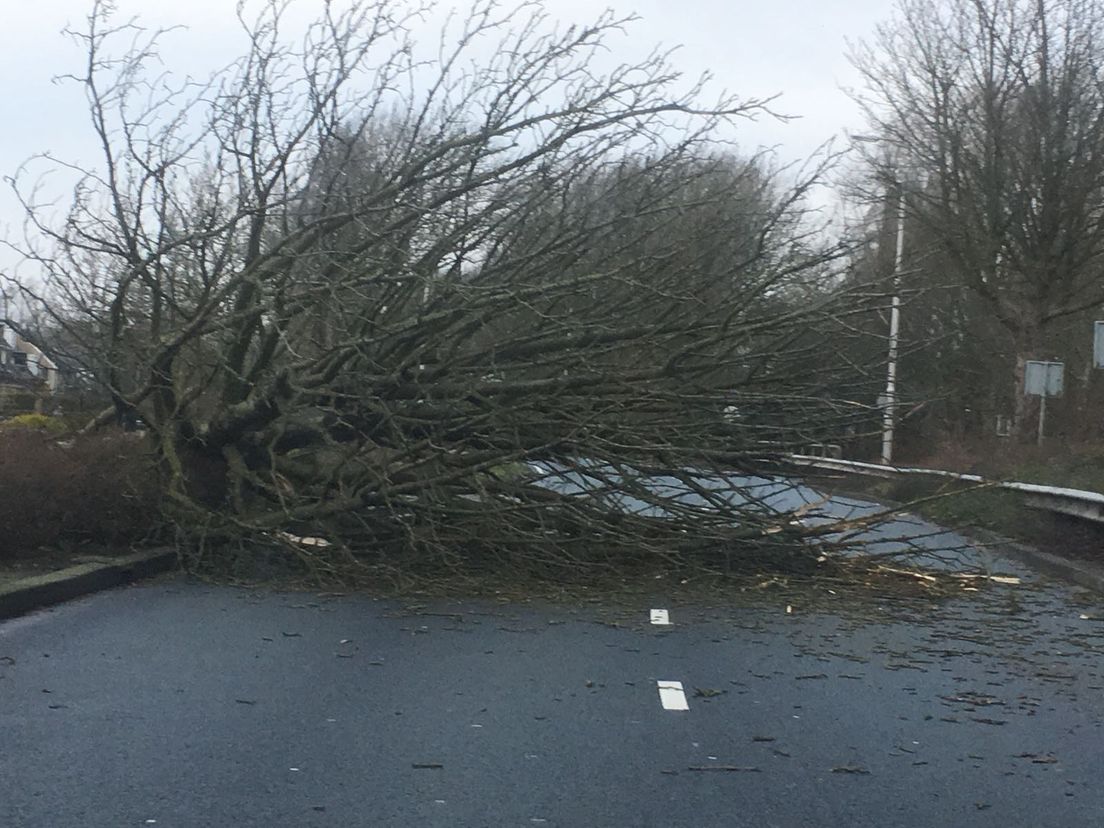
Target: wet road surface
x,y
181,704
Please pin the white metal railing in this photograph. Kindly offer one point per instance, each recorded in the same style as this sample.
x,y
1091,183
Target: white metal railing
x,y
1074,502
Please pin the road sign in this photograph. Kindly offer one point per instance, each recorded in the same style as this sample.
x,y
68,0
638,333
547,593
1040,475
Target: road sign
x,y
1043,379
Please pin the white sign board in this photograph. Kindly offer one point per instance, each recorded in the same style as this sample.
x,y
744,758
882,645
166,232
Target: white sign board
x,y
1098,345
1043,379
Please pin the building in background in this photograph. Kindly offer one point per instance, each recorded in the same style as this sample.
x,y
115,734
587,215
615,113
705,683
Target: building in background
x,y
27,375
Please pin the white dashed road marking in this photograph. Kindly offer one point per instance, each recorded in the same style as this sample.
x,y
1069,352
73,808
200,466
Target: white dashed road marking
x,y
672,696
661,616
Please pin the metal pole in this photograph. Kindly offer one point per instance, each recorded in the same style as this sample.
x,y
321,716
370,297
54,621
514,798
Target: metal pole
x,y
1042,416
889,415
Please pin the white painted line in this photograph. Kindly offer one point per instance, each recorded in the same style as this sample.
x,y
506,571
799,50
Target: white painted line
x,y
660,616
672,696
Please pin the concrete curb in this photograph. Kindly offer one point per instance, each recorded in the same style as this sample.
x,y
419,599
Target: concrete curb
x,y
40,591
1083,573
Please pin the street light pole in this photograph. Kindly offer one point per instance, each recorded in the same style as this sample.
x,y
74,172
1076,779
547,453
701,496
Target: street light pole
x,y
889,410
889,415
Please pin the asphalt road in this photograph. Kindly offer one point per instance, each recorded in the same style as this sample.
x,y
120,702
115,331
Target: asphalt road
x,y
905,534
180,704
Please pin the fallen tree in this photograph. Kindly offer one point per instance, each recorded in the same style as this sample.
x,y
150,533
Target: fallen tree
x,y
455,308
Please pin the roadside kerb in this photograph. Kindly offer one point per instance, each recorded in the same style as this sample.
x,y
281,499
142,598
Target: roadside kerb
x,y
40,591
1088,574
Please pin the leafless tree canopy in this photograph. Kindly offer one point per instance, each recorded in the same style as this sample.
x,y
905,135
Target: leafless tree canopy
x,y
994,114
415,302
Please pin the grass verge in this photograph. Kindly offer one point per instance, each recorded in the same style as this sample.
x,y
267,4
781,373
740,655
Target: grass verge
x,y
997,510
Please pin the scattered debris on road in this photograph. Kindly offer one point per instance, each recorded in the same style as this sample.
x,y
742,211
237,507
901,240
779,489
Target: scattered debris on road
x,y
708,692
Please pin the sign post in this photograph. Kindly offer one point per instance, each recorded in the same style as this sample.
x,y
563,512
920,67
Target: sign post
x,y
1098,344
1042,380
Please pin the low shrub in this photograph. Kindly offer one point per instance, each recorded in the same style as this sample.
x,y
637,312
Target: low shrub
x,y
13,401
101,489
36,422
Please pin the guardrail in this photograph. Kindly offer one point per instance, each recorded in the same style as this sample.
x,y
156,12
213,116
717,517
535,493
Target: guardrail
x,y
1074,502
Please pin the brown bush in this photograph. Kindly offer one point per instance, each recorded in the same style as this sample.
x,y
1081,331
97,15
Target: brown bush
x,y
100,489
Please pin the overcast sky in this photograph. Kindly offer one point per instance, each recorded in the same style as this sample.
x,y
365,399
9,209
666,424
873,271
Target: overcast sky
x,y
756,48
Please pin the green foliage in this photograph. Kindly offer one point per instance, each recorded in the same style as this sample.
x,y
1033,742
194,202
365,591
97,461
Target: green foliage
x,y
1081,471
36,422
995,509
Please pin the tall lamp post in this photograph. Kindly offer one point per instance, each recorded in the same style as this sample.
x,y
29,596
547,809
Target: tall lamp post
x,y
889,409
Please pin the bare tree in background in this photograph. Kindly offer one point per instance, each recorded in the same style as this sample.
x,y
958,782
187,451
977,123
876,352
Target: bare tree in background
x,y
999,105
502,310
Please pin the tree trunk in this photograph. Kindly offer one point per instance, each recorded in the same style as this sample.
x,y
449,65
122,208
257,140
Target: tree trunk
x,y
1025,416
